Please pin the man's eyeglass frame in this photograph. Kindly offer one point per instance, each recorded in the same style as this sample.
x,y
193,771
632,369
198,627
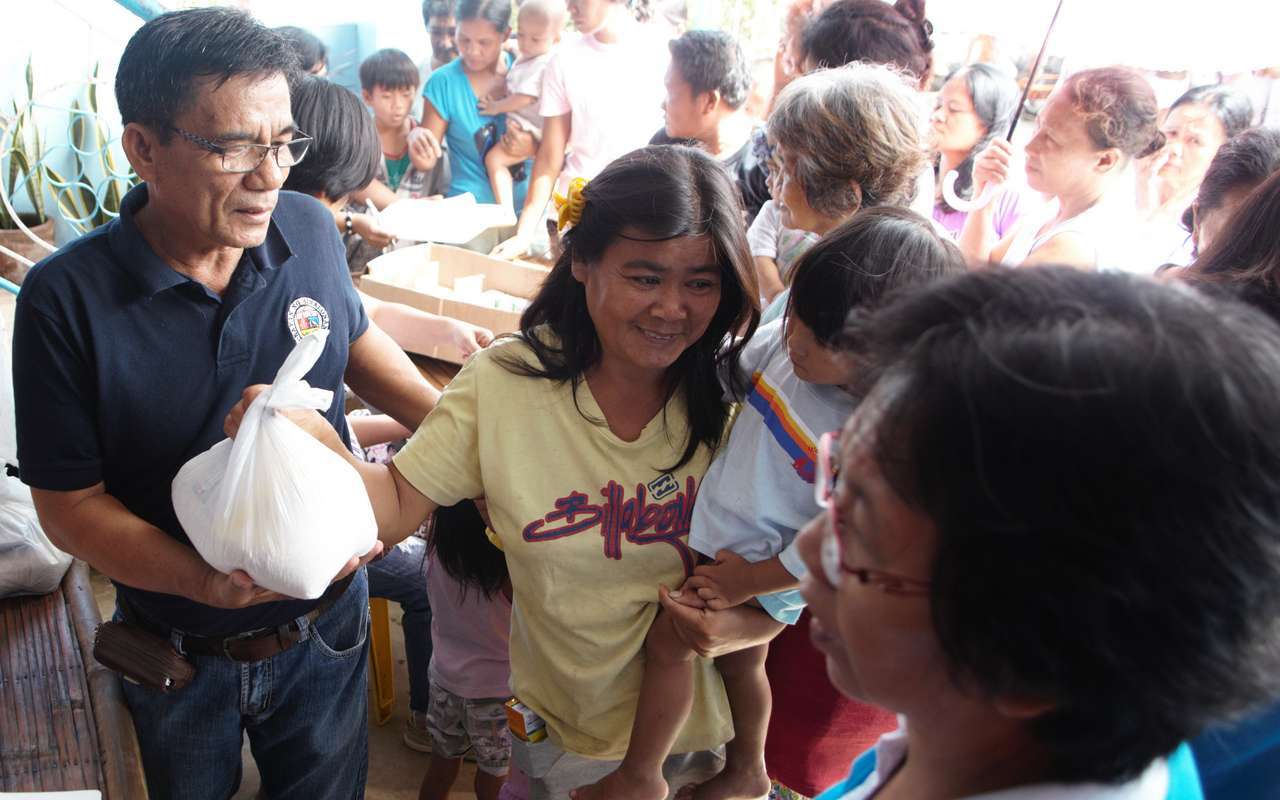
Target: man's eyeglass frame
x,y
225,151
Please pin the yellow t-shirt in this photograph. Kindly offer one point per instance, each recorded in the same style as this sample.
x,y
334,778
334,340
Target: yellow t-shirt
x,y
590,525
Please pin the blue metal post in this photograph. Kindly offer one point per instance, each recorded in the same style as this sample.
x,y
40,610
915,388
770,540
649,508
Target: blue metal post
x,y
146,9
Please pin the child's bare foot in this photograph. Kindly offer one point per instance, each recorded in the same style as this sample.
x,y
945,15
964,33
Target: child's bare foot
x,y
619,786
733,783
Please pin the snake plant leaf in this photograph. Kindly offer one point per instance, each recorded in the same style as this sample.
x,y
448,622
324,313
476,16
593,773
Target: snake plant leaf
x,y
19,163
14,134
93,88
35,188
76,210
31,80
77,126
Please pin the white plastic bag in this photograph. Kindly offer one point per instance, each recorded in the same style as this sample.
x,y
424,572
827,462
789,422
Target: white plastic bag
x,y
275,502
29,563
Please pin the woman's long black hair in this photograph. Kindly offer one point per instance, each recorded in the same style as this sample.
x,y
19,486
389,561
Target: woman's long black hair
x,y
995,100
653,194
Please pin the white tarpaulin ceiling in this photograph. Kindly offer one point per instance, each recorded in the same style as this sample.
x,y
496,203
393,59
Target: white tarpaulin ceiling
x,y
1212,35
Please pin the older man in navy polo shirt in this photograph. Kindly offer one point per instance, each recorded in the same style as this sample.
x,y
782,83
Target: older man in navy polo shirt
x,y
130,346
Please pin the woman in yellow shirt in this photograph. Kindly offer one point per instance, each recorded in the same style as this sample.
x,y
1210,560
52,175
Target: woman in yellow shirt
x,y
588,434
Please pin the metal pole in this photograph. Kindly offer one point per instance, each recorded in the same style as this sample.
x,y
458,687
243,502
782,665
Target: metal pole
x,y
1035,70
146,9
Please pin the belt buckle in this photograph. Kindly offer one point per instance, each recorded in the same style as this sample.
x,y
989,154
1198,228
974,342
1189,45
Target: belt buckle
x,y
239,637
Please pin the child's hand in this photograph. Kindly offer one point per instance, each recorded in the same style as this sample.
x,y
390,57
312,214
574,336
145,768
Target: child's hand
x,y
685,596
468,338
725,583
369,230
518,142
482,105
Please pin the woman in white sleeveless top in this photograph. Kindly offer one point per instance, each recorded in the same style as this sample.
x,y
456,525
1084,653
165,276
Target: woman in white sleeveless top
x,y
1089,132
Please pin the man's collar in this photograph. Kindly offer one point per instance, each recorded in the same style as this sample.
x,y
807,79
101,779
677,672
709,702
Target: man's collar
x,y
153,273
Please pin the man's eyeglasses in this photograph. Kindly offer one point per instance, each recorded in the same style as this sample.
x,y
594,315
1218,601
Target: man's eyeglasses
x,y
833,563
248,157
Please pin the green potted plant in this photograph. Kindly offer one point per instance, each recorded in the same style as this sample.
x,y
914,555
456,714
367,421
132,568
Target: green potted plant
x,y
21,156
92,196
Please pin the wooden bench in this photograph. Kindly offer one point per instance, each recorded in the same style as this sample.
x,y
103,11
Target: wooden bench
x,y
64,724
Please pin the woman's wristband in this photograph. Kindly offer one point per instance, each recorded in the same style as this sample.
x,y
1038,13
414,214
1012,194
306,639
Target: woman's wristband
x,y
347,223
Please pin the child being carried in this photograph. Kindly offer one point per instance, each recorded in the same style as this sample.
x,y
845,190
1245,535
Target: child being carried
x,y
539,24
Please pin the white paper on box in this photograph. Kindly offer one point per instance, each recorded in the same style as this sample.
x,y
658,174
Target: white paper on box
x,y
275,502
507,285
405,267
453,220
503,301
468,285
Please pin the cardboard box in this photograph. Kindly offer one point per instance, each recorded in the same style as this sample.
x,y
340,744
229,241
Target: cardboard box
x,y
524,723
427,277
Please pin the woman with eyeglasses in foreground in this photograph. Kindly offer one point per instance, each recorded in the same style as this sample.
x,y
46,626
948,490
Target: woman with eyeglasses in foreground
x,y
1235,224
1050,542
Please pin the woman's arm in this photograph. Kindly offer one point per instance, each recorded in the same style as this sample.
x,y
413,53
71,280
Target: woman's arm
x,y
377,193
398,507
769,277
363,225
506,105
375,429
425,150
380,373
714,633
978,238
546,169
419,331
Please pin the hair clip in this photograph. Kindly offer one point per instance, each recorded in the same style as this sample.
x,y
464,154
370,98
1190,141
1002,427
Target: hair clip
x,y
569,206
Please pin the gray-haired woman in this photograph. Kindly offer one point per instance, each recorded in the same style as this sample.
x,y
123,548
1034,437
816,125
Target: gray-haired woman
x,y
842,140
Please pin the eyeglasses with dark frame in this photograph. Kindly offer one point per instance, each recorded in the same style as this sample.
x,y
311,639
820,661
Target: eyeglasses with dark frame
x,y
242,158
833,563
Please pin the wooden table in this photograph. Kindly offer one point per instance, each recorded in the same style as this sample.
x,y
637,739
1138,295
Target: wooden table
x,y
438,373
63,721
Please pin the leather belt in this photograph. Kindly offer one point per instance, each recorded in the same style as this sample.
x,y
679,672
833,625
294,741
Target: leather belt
x,y
261,643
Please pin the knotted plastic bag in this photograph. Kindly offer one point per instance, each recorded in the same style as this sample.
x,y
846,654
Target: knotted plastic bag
x,y
274,501
29,563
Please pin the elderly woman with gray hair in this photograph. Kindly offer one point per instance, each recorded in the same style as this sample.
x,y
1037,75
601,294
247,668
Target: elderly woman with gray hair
x,y
841,140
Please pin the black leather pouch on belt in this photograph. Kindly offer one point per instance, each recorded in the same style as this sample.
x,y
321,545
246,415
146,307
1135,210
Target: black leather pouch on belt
x,y
142,657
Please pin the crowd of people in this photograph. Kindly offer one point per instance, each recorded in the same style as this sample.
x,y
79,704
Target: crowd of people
x,y
848,448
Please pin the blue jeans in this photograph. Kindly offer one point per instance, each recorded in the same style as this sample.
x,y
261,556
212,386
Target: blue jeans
x,y
401,576
305,710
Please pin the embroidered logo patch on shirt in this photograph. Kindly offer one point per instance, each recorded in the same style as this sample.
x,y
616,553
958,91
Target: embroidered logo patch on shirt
x,y
305,317
663,485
